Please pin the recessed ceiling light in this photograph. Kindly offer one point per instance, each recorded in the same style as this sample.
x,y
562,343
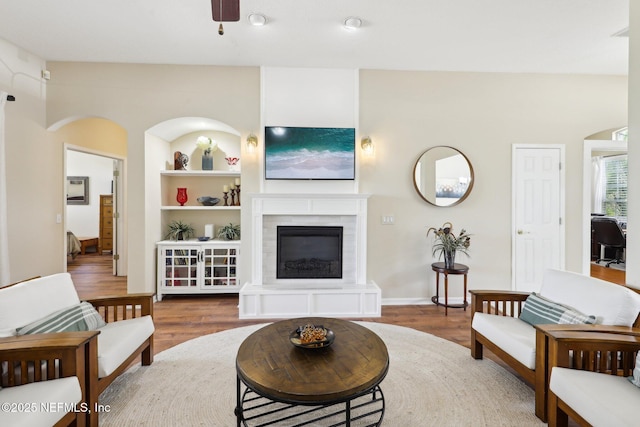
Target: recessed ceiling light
x,y
352,23
257,20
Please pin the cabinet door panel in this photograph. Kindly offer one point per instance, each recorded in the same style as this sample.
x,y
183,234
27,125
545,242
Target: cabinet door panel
x,y
181,268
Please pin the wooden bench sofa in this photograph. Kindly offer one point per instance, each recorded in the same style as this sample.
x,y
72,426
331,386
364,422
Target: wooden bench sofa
x,y
124,323
496,324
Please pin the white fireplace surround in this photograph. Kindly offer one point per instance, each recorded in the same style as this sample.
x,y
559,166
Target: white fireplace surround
x,y
268,297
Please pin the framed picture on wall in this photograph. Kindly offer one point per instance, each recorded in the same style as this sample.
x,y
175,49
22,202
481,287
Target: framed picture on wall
x,y
77,190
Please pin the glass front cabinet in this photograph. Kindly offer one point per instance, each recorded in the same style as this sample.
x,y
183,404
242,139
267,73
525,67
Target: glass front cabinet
x,y
194,267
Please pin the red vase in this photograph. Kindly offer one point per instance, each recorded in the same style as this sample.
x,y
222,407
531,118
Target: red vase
x,y
182,196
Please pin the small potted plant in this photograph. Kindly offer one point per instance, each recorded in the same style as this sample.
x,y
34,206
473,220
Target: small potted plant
x,y
179,230
229,232
447,243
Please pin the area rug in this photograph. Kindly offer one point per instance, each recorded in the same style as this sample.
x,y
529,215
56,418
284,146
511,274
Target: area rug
x,y
431,382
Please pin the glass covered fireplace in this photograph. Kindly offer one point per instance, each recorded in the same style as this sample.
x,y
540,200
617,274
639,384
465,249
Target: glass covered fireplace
x,y
309,252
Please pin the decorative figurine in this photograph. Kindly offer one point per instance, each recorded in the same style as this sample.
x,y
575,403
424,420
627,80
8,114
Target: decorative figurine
x,y
180,161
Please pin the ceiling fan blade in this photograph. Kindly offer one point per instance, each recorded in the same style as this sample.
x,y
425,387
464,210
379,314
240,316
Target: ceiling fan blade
x,y
229,11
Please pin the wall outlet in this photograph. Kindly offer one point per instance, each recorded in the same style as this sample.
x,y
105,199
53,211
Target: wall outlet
x,y
387,219
58,218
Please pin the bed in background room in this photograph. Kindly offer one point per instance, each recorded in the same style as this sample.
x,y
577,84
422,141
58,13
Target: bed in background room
x,y
73,245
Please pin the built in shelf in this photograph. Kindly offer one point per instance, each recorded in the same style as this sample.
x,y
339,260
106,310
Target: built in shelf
x,y
200,173
200,208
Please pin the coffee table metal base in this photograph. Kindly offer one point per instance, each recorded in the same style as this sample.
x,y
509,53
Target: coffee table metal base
x,y
254,410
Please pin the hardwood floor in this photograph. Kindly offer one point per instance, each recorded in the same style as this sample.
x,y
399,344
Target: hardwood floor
x,y
181,318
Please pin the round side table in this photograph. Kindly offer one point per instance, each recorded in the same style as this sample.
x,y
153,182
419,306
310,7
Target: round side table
x,y
439,267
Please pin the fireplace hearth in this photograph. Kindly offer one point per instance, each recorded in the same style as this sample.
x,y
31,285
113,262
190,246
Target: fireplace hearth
x,y
309,252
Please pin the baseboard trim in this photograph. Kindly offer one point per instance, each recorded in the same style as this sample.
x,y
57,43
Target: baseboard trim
x,y
418,301
406,301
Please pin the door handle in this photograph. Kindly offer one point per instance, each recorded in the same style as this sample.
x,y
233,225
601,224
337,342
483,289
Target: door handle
x,y
523,232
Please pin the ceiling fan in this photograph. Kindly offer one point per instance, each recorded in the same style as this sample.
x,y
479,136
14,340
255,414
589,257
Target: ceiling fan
x,y
225,11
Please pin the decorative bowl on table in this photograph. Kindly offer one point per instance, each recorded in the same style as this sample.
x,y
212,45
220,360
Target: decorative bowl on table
x,y
208,201
204,238
312,336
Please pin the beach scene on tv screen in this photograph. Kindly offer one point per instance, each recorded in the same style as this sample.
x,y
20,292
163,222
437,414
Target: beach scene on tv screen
x,y
309,153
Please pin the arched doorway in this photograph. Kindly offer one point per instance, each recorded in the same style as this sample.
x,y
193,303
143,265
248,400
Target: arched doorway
x,y
595,145
95,149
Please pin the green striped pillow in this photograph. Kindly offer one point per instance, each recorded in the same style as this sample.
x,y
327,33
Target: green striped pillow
x,y
538,310
78,317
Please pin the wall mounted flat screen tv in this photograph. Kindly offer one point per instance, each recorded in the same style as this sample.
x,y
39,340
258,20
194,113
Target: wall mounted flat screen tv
x,y
309,153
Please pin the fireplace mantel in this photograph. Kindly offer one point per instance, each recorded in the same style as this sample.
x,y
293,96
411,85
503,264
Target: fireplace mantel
x,y
353,295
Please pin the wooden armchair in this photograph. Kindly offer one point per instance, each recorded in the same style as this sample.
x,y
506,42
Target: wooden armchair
x,y
39,362
602,395
127,334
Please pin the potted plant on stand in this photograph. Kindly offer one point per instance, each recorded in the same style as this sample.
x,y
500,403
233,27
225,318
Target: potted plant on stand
x,y
447,243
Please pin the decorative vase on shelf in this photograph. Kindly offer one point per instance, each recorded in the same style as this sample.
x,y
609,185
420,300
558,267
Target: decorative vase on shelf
x,y
449,259
232,162
207,162
182,196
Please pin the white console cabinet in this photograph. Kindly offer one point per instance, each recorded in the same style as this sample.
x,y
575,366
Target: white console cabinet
x,y
195,267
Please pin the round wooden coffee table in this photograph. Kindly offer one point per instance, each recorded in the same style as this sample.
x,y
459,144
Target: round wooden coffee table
x,y
284,382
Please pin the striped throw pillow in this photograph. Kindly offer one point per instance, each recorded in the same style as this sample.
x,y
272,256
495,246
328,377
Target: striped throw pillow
x,y
538,310
78,317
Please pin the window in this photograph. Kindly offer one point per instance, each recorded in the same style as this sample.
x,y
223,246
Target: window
x,y
614,202
620,134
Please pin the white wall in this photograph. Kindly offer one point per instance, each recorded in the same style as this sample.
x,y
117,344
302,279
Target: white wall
x,y
482,115
34,169
309,97
84,220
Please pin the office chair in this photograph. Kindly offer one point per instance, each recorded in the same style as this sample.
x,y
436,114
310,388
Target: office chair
x,y
607,232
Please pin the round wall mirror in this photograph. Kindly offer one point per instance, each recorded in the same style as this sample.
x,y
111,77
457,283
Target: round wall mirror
x,y
443,176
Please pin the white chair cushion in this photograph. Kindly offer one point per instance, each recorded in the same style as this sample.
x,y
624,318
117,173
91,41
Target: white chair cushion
x,y
602,400
118,340
64,390
29,301
511,334
611,304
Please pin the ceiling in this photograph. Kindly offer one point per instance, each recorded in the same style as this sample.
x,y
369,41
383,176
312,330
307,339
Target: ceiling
x,y
538,36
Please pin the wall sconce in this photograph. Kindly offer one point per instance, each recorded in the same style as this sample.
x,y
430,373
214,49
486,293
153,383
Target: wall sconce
x,y
252,143
367,146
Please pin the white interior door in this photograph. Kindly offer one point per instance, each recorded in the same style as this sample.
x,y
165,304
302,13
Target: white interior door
x,y
115,186
538,212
